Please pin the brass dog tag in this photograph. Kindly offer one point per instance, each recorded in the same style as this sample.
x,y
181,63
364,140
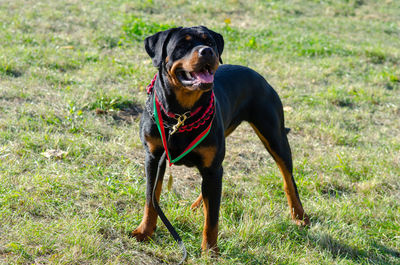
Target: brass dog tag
x,y
170,179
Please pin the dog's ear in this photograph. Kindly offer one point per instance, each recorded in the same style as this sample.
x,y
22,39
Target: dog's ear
x,y
155,45
220,42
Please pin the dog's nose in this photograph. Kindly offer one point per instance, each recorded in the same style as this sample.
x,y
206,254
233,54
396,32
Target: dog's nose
x,y
206,52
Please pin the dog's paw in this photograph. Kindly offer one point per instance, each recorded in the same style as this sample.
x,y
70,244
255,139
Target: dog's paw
x,y
303,222
210,252
196,203
142,234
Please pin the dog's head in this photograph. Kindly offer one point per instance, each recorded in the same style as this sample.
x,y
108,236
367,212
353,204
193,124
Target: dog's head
x,y
190,56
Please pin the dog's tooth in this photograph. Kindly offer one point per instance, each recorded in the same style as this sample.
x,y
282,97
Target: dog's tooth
x,y
188,75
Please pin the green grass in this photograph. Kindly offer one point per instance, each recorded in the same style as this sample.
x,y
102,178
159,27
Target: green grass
x,y
73,77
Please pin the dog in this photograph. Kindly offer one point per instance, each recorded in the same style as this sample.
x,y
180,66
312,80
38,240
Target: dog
x,y
194,102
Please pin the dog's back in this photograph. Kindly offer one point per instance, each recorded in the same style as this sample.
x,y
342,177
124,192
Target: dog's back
x,y
241,92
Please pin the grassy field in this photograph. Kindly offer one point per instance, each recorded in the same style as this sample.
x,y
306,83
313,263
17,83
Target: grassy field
x,y
73,77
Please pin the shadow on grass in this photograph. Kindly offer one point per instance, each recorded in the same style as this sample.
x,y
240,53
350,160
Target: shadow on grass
x,y
10,71
129,114
376,253
381,255
126,110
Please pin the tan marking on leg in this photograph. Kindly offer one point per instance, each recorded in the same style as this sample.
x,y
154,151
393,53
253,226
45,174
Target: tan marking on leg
x,y
210,234
296,210
197,202
229,130
149,221
153,143
207,153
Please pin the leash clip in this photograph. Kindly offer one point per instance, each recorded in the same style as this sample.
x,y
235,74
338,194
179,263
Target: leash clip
x,y
180,121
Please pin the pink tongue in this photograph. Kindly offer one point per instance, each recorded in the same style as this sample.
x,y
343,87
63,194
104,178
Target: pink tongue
x,y
203,77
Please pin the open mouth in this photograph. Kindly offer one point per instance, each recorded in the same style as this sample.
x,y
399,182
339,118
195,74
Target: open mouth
x,y
196,78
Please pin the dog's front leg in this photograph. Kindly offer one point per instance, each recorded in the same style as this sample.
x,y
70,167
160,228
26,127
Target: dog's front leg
x,y
149,221
211,191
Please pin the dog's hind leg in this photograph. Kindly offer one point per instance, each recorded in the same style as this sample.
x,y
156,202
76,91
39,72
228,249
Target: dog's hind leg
x,y
196,204
272,133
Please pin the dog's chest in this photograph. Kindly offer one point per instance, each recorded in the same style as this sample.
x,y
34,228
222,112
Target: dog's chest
x,y
177,145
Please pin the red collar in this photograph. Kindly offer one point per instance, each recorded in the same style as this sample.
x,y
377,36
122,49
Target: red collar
x,y
150,86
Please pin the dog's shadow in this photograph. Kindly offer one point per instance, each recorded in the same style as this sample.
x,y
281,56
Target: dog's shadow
x,y
378,254
127,111
375,254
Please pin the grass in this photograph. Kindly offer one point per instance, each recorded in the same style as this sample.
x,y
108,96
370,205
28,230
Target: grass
x,y
73,77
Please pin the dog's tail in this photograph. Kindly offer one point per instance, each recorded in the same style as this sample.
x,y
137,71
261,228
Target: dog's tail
x,y
287,130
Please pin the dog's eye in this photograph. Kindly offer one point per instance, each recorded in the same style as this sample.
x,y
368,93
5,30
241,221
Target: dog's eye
x,y
181,45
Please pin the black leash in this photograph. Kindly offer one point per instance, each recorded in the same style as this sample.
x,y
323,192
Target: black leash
x,y
160,213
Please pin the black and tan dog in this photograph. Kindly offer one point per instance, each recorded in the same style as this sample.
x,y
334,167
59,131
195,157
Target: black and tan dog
x,y
197,103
